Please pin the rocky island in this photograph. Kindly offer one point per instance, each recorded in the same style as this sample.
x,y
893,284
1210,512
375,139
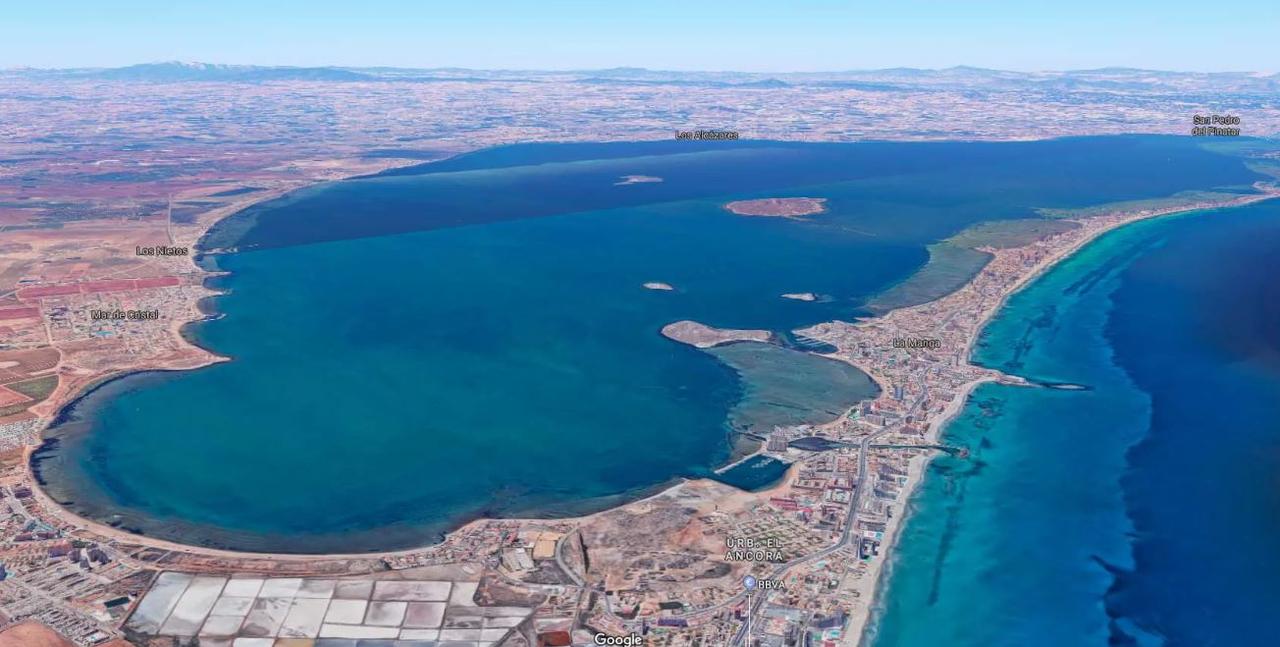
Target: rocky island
x,y
637,179
778,207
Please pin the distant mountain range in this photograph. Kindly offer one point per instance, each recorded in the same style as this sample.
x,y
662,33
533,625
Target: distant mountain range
x,y
179,72
1118,79
175,72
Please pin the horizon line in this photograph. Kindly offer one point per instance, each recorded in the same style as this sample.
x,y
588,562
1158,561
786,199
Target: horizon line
x,y
336,66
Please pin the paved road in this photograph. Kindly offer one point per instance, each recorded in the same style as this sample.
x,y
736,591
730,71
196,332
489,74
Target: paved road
x,y
851,520
564,566
758,602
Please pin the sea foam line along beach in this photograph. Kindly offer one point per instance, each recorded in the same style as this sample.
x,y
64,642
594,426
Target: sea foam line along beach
x,y
873,583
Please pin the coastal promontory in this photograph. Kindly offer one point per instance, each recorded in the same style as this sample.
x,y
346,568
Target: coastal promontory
x,y
700,335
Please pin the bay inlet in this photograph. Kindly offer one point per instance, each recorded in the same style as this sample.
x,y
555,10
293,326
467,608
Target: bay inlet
x,y
415,350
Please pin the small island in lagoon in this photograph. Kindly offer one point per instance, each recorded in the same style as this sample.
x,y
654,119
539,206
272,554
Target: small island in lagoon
x,y
778,207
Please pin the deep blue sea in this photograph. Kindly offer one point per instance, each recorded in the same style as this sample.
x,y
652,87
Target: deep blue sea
x,y
472,337
1145,511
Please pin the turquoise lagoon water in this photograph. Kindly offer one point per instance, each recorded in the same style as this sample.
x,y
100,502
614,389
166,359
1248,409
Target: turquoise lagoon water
x,y
471,337
1143,511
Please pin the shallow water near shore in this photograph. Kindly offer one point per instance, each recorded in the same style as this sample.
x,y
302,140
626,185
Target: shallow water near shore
x,y
1101,516
395,374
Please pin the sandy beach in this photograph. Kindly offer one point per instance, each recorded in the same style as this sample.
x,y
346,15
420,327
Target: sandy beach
x,y
873,582
870,583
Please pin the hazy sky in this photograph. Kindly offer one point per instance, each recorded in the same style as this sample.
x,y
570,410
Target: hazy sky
x,y
773,36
